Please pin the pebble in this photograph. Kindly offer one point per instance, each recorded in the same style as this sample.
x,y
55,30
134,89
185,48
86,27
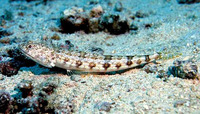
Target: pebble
x,y
118,6
188,1
96,11
179,103
76,78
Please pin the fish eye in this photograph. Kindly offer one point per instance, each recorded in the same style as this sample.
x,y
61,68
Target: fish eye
x,y
29,46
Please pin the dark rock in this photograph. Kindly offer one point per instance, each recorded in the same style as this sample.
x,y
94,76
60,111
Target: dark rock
x,y
93,25
4,32
8,15
76,78
140,14
97,50
49,88
31,105
67,45
162,74
8,68
147,26
29,0
188,1
76,19
93,2
133,27
19,59
184,69
114,24
5,101
2,21
26,87
55,37
25,101
71,24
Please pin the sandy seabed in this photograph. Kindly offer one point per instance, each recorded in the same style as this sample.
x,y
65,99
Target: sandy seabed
x,y
174,31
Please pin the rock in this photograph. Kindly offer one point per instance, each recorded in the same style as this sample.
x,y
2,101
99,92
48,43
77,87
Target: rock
x,y
76,19
148,25
140,14
96,11
133,27
184,69
55,37
97,50
8,15
5,101
118,6
18,59
71,24
4,32
188,1
179,103
2,21
114,24
67,45
49,88
31,105
26,87
27,101
76,78
8,68
104,106
163,74
28,0
150,68
93,25
72,11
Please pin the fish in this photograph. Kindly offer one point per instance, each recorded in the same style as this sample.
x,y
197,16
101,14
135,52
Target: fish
x,y
82,61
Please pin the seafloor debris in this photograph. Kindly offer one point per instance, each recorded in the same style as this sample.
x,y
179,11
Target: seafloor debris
x,y
8,15
114,23
74,23
150,68
104,106
26,87
188,1
184,69
55,37
5,101
11,66
28,0
27,101
133,27
180,103
118,6
76,19
140,14
4,32
8,68
49,88
35,104
96,11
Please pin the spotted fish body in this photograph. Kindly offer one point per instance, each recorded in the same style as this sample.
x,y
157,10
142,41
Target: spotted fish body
x,y
82,61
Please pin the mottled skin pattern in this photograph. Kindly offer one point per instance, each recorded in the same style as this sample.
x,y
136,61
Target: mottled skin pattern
x,y
82,61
